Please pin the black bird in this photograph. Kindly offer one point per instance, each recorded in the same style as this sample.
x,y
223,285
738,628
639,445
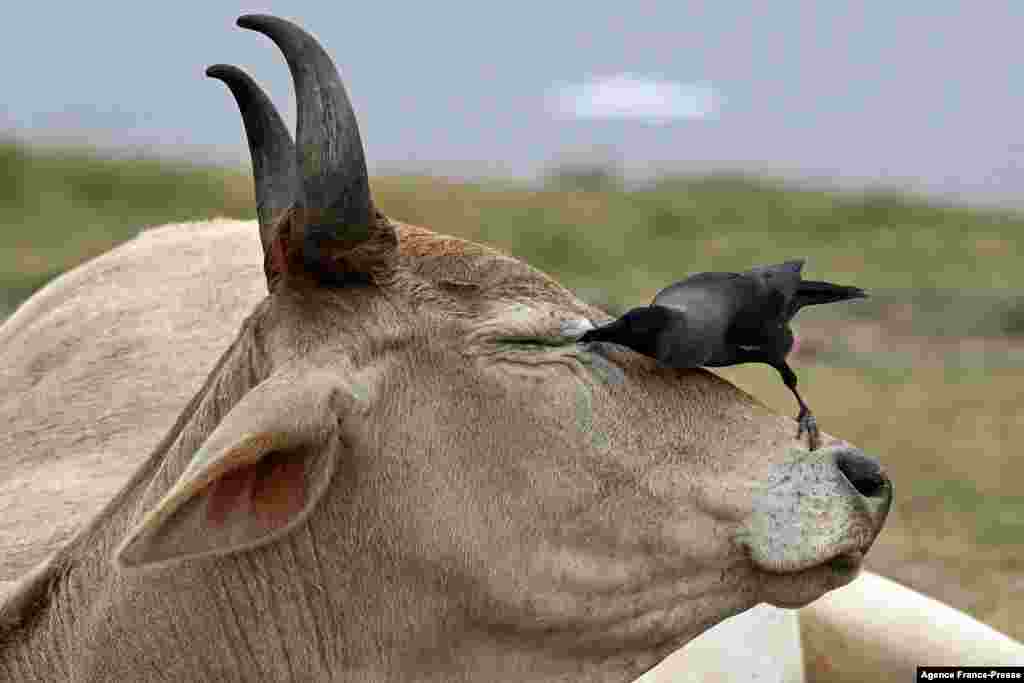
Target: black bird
x,y
721,319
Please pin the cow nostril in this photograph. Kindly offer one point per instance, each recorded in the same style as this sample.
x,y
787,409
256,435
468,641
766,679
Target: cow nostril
x,y
863,472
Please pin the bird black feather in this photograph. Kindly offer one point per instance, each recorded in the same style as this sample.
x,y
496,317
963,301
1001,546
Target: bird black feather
x,y
718,319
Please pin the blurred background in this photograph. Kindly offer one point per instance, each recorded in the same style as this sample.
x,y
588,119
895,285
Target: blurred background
x,y
620,151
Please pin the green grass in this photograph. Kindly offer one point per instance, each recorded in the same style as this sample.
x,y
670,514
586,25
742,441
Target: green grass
x,y
58,208
681,225
948,430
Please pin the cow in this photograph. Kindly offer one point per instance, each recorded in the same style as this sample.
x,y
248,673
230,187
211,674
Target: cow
x,y
403,467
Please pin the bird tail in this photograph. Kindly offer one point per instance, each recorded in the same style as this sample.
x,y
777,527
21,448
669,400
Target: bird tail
x,y
812,293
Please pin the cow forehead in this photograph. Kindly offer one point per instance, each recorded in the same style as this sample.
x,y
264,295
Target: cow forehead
x,y
527,352
461,310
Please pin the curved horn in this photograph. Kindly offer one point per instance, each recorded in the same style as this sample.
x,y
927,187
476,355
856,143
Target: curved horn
x,y
274,166
335,187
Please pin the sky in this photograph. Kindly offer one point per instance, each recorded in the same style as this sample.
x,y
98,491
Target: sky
x,y
924,95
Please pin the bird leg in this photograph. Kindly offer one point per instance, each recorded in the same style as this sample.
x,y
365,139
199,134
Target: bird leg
x,y
805,420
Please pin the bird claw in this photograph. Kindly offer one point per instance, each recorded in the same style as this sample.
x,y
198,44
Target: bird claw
x,y
806,422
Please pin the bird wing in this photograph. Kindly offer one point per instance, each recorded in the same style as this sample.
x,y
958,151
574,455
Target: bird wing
x,y
705,296
707,303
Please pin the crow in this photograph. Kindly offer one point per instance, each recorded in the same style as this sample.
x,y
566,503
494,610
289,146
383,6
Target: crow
x,y
722,319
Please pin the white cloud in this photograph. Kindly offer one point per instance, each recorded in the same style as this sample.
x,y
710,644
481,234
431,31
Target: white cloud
x,y
629,97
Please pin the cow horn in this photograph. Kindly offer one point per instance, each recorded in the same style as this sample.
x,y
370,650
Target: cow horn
x,y
335,196
274,166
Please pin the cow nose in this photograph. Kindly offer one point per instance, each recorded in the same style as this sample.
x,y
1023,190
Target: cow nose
x,y
863,472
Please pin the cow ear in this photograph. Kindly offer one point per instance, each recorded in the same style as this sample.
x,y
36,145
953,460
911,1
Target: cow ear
x,y
258,476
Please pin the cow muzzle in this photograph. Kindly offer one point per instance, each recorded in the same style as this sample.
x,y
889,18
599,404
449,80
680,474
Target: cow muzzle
x,y
820,508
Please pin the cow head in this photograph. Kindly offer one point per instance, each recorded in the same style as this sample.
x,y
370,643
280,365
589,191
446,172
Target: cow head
x,y
407,423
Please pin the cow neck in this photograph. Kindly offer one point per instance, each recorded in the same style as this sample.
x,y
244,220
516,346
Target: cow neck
x,y
37,631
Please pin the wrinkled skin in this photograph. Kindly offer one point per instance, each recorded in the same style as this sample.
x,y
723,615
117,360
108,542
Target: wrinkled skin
x,y
577,518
